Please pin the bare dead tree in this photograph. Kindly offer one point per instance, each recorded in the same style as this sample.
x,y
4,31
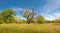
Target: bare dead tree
x,y
28,14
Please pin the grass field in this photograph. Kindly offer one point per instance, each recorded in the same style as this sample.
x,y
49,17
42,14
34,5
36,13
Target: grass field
x,y
30,28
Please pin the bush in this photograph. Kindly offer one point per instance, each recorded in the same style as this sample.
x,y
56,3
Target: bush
x,y
1,22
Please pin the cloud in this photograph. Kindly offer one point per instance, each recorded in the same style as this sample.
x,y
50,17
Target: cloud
x,y
49,9
51,5
48,16
56,14
17,9
51,16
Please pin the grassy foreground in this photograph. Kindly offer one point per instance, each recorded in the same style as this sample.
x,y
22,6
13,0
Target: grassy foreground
x,y
30,28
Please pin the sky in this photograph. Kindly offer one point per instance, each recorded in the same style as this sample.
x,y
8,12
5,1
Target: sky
x,y
50,9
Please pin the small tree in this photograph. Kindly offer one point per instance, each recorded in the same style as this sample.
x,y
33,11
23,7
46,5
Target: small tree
x,y
40,19
28,14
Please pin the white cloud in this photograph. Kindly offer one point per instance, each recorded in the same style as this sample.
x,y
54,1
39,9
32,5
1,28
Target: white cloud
x,y
51,16
51,5
56,14
17,9
48,16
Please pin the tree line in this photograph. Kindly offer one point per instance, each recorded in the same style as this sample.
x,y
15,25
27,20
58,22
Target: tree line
x,y
7,16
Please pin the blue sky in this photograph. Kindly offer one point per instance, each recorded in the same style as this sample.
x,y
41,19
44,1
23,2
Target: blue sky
x,y
50,9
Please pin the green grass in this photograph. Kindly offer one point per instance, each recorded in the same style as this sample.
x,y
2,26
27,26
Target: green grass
x,y
30,28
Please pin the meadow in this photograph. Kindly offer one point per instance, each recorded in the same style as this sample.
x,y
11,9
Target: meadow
x,y
30,28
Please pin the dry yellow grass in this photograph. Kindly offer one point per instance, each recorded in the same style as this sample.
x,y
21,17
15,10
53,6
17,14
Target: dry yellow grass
x,y
30,28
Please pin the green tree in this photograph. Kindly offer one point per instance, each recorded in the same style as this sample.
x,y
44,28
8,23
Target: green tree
x,y
6,14
40,19
48,21
1,18
10,19
23,21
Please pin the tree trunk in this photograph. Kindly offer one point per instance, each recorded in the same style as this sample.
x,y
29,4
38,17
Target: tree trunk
x,y
28,21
